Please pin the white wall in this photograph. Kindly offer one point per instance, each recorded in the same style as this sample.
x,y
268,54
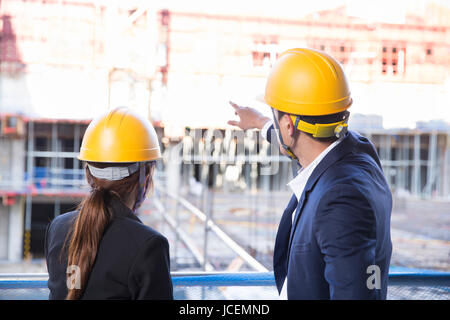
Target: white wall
x,y
11,231
4,226
12,172
15,239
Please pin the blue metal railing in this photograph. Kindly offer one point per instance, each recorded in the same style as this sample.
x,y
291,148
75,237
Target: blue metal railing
x,y
57,178
223,279
413,284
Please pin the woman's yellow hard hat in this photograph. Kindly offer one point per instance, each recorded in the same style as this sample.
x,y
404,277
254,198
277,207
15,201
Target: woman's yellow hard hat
x,y
120,135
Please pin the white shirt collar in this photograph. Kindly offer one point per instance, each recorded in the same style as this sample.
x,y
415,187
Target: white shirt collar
x,y
298,183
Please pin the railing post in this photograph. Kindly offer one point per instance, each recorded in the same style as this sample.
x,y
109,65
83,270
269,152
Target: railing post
x,y
177,236
206,228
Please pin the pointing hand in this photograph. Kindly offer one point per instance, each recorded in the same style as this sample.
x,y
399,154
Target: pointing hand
x,y
249,118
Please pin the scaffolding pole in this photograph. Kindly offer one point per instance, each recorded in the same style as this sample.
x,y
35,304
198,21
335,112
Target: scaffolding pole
x,y
416,179
76,145
54,164
446,166
30,173
431,171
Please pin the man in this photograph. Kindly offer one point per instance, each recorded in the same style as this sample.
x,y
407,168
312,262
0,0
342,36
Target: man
x,y
333,241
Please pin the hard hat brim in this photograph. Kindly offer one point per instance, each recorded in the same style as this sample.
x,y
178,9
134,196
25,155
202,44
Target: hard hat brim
x,y
122,157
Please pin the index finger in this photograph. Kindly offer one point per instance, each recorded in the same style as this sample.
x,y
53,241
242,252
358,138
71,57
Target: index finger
x,y
234,105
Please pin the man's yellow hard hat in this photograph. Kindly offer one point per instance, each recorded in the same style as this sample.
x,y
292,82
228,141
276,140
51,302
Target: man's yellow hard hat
x,y
307,82
120,135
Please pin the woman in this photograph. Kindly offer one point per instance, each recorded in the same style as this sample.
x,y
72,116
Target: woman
x,y
102,250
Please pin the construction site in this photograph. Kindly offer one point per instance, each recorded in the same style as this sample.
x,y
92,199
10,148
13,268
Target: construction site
x,y
219,192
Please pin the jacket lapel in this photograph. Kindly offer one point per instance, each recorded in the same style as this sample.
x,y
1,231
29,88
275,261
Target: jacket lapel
x,y
298,213
281,243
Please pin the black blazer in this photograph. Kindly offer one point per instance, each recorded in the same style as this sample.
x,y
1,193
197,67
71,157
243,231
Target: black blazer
x,y
132,260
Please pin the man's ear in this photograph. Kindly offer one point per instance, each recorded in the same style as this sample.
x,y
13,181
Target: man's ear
x,y
288,124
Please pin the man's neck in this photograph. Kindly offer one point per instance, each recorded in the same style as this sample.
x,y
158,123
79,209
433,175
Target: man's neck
x,y
307,149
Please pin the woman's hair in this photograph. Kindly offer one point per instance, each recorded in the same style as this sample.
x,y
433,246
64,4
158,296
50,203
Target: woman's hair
x,y
94,217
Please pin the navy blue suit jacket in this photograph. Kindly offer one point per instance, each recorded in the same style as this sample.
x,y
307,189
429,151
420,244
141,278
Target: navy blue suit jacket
x,y
339,245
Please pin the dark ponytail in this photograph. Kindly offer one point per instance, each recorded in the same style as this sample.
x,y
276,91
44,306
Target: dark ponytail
x,y
87,232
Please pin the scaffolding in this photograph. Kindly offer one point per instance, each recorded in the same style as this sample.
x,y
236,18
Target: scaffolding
x,y
415,162
52,167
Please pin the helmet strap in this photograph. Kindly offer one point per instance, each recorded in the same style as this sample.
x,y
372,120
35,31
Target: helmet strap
x,y
288,150
142,188
322,130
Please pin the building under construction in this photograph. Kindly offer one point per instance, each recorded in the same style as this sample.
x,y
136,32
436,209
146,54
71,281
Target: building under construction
x,y
136,55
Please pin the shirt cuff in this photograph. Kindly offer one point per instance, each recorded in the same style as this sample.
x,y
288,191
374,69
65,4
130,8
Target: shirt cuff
x,y
266,127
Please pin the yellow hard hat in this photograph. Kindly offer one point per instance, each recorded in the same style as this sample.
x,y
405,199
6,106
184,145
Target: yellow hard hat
x,y
309,82
120,135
